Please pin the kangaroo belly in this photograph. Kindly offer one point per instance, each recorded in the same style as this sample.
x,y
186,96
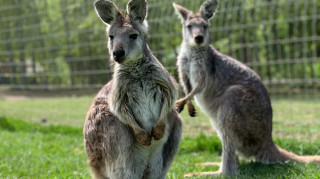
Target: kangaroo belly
x,y
202,102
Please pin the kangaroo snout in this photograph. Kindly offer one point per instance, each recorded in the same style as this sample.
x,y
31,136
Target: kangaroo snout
x,y
118,55
198,39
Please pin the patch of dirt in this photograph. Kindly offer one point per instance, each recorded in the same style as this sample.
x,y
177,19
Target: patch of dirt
x,y
15,98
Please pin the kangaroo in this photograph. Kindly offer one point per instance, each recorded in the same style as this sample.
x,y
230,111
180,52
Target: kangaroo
x,y
230,94
132,129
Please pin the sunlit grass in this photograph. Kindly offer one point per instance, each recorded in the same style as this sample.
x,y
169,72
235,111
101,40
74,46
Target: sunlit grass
x,y
31,149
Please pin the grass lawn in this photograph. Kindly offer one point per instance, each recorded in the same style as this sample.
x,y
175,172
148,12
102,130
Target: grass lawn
x,y
31,149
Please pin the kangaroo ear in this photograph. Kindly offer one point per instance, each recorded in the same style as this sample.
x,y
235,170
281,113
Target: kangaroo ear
x,y
137,10
208,8
181,11
107,11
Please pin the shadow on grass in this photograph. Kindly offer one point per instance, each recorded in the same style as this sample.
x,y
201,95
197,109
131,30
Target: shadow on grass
x,y
5,125
201,143
14,125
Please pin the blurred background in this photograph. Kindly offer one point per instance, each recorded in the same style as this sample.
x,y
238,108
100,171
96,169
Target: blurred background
x,y
54,59
59,48
62,44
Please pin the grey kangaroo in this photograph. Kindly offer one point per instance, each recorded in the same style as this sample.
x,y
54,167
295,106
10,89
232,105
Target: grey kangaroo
x,y
132,129
229,93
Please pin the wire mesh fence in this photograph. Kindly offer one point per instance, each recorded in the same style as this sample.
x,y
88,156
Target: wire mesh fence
x,y
62,43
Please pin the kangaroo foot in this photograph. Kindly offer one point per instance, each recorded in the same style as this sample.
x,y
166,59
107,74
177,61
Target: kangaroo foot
x,y
158,130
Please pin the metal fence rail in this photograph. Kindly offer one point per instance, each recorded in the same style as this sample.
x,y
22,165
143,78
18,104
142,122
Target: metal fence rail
x,y
62,44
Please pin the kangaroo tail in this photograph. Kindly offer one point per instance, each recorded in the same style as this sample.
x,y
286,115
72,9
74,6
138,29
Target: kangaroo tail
x,y
274,154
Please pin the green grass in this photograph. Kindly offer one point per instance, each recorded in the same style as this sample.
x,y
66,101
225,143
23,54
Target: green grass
x,y
34,151
208,149
30,149
63,111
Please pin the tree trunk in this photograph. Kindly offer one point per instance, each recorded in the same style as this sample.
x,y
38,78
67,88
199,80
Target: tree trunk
x,y
63,5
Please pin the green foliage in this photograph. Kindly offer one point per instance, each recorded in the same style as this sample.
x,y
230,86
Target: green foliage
x,y
278,39
64,72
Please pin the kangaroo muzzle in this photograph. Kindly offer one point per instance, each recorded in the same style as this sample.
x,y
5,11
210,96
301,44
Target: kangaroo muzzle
x,y
118,55
199,39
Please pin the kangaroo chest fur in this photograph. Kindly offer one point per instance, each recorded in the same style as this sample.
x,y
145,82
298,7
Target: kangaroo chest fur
x,y
144,98
193,64
136,86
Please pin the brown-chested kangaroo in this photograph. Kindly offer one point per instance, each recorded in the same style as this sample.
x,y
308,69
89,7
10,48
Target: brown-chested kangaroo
x,y
229,93
132,129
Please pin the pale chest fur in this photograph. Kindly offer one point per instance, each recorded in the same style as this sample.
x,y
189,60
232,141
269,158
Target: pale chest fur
x,y
135,93
144,98
192,64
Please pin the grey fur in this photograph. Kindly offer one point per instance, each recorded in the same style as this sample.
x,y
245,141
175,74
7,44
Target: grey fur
x,y
181,11
232,96
132,129
208,8
107,11
137,10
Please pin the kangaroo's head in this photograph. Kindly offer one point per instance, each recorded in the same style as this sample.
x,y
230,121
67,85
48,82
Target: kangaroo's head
x,y
195,25
127,33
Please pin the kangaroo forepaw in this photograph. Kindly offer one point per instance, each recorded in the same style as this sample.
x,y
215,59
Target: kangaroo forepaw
x,y
158,131
180,105
143,138
191,109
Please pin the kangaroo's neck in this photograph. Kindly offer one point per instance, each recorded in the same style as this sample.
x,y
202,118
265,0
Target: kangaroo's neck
x,y
196,52
133,70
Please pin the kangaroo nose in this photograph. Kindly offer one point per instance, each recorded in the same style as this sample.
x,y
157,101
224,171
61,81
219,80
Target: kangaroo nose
x,y
199,39
118,55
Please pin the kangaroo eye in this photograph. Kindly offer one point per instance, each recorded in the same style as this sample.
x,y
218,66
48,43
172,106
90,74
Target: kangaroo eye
x,y
189,26
205,26
111,37
133,36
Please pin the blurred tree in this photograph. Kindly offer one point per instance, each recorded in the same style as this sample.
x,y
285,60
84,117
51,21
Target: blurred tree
x,y
66,44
